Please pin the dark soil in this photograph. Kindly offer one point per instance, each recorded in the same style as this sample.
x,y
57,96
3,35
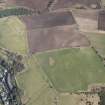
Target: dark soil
x,y
48,20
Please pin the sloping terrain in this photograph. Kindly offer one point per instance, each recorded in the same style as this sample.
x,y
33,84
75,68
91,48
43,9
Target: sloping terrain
x,y
12,34
53,31
72,69
103,2
32,83
50,76
92,4
98,42
19,11
50,71
86,14
101,19
87,20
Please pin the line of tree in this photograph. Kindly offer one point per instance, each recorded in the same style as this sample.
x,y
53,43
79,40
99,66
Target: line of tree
x,y
15,12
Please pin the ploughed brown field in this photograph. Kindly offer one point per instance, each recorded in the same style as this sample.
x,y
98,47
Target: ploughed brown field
x,y
87,14
71,3
11,2
87,20
48,20
53,31
55,38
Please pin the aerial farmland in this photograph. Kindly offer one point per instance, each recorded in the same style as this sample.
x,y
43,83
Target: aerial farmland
x,y
52,52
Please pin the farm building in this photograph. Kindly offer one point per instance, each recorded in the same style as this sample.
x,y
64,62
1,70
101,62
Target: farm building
x,y
53,31
78,4
101,20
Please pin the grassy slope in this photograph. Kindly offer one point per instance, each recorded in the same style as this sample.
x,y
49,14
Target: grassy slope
x,y
72,69
12,34
98,41
67,100
36,90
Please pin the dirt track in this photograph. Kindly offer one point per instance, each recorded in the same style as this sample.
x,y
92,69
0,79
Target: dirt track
x,y
87,14
53,31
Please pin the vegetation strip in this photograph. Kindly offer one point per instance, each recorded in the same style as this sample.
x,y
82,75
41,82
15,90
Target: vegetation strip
x,y
9,93
15,11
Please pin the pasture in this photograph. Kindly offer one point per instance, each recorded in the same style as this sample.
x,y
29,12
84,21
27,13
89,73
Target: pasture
x,y
35,89
72,69
12,34
98,42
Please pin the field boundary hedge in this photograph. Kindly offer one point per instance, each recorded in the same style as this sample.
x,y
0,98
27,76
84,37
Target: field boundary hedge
x,y
19,11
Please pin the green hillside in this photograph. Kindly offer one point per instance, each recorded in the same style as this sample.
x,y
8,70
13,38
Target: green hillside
x,y
35,89
72,69
12,34
98,42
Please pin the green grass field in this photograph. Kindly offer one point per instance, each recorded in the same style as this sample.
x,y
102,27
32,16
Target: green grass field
x,y
12,34
67,100
98,42
72,69
36,89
